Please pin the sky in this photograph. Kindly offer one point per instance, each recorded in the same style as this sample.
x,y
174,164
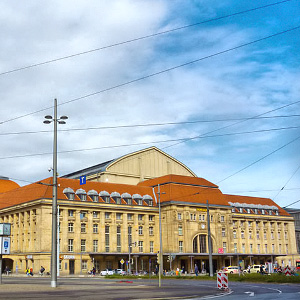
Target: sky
x,y
196,64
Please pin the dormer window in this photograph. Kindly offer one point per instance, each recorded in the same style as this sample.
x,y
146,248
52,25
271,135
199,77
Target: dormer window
x,y
116,197
81,193
148,199
127,198
69,193
241,210
105,196
138,199
248,210
94,195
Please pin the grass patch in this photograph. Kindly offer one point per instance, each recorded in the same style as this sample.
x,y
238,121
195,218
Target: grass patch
x,y
274,278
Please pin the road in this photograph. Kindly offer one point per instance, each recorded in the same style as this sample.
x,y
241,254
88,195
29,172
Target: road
x,y
99,288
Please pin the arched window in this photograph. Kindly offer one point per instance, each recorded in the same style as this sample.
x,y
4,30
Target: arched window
x,y
200,244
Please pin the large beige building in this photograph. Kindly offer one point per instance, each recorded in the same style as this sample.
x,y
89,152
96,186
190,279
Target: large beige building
x,y
118,206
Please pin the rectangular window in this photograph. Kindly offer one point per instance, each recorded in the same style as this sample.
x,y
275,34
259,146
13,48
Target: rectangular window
x,y
129,217
250,234
129,235
249,223
83,228
180,246
119,239
273,248
272,235
179,216
258,248
265,235
151,247
71,227
285,235
140,217
95,228
279,248
279,235
224,247
140,230
235,247
266,248
71,213
70,245
83,215
180,230
234,234
95,245
242,234
106,238
287,248
107,215
84,265
141,248
151,218
95,214
150,230
223,232
222,218
118,216
243,248
82,248
251,248
257,235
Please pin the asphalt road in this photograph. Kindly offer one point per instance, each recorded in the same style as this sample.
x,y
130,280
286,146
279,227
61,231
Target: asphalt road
x,y
100,288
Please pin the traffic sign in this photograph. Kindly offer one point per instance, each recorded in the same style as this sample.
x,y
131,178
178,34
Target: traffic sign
x,y
5,245
82,179
122,261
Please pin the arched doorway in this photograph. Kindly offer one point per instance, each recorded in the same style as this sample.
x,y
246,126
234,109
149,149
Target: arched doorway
x,y
7,262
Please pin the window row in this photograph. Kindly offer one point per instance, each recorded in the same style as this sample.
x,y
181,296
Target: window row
x,y
250,235
105,197
95,246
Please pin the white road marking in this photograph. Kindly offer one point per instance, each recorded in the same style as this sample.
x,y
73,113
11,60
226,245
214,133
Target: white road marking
x,y
251,294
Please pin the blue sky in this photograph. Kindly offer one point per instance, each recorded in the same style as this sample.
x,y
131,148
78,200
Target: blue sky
x,y
243,83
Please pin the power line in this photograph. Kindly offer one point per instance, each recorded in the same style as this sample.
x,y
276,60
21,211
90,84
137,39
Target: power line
x,y
147,143
291,204
255,162
287,182
149,125
142,38
156,73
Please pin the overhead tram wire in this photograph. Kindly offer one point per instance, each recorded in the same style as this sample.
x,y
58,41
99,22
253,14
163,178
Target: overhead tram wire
x,y
157,73
291,204
286,183
147,143
153,125
144,37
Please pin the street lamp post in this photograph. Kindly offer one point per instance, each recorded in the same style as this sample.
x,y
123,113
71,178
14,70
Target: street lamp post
x,y
48,120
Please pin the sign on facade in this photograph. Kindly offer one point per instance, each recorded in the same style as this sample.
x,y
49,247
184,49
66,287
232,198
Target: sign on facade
x,y
69,256
5,228
5,245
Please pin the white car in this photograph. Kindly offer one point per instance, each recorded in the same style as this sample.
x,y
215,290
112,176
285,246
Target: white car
x,y
120,272
107,272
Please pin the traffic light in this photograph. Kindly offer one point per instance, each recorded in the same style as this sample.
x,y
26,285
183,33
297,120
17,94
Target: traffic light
x,y
158,258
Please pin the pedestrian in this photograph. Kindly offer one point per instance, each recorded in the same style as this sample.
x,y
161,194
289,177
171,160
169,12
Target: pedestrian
x,y
249,268
31,271
94,271
196,270
261,269
27,272
6,270
42,270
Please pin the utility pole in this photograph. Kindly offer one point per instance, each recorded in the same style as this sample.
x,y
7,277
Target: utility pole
x,y
211,273
55,121
160,240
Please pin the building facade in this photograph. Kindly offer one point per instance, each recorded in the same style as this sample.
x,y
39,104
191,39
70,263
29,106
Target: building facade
x,y
102,224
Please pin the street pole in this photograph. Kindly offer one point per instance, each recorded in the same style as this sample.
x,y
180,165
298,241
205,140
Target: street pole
x,y
211,273
58,240
160,240
54,244
54,205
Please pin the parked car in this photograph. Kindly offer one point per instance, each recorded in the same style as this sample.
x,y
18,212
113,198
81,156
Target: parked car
x,y
231,270
107,272
254,269
120,272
